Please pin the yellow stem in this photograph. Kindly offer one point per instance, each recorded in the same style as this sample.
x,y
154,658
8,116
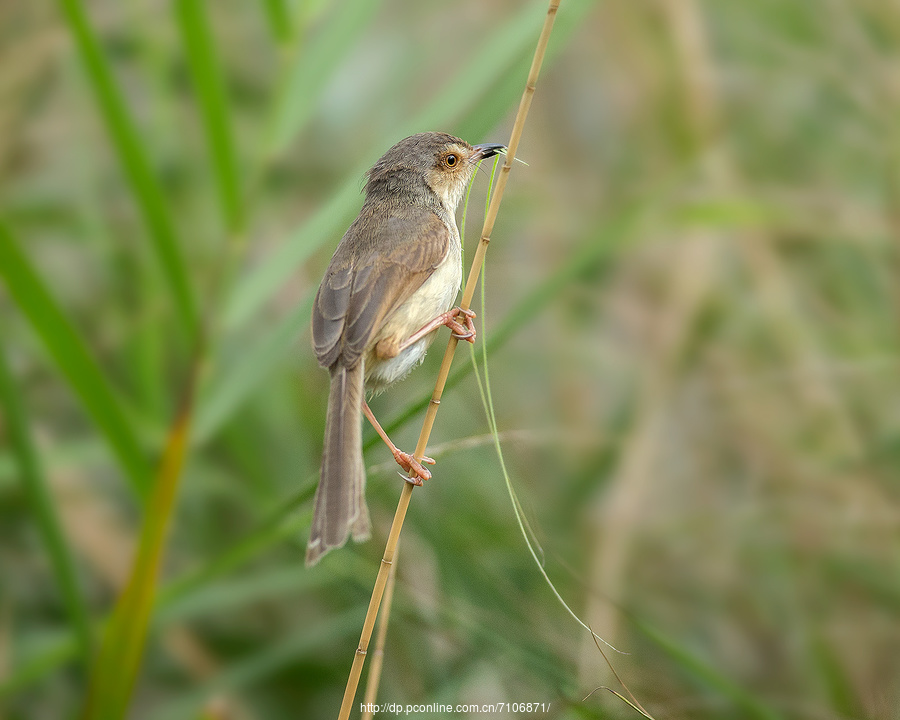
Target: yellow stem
x,y
371,693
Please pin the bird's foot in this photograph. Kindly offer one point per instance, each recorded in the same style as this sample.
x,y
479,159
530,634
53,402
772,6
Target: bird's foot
x,y
414,468
464,330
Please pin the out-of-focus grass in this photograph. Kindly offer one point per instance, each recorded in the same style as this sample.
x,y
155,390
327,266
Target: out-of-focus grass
x,y
43,509
693,297
72,357
134,156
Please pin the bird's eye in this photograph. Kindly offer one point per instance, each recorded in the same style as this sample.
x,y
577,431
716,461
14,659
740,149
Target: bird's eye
x,y
451,160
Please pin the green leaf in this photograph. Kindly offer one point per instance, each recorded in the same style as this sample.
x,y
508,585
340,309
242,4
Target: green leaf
x,y
172,599
303,643
281,24
126,140
313,69
206,73
40,498
37,668
116,669
707,675
73,359
258,287
250,367
461,98
731,213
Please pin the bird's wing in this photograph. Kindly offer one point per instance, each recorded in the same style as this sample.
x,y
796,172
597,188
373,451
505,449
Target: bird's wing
x,y
381,261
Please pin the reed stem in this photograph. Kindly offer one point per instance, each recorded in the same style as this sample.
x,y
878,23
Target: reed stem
x,y
431,412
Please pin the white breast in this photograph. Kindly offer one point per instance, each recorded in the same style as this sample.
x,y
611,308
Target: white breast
x,y
436,296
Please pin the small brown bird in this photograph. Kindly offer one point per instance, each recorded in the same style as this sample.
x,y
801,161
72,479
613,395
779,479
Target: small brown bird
x,y
390,285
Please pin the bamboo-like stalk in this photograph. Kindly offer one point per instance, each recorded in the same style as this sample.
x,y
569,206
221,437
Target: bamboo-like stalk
x,y
403,505
380,641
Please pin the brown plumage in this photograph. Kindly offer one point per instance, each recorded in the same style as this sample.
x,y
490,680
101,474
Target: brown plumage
x,y
396,269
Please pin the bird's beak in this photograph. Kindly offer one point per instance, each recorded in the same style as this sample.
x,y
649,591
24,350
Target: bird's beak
x,y
486,150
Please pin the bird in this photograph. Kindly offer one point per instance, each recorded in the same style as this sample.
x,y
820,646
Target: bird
x,y
390,285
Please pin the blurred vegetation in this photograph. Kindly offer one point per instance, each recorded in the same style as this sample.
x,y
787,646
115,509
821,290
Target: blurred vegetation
x,y
692,311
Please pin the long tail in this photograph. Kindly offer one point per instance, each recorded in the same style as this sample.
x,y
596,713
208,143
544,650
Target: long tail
x,y
340,499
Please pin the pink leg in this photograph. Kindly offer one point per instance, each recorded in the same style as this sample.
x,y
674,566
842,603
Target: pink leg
x,y
460,331
404,460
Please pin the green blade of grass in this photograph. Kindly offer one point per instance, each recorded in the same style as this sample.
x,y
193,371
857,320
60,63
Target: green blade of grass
x,y
281,24
836,681
707,675
275,529
206,74
509,44
227,596
190,590
248,370
71,356
37,668
260,284
276,656
494,100
118,661
126,140
41,501
145,355
313,69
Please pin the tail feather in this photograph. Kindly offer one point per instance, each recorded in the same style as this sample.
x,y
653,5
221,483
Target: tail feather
x,y
340,505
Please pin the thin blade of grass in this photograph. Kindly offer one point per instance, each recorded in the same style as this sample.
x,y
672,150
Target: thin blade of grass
x,y
126,140
116,669
37,668
633,701
313,69
275,529
485,69
528,534
40,499
249,369
259,285
707,675
281,24
145,355
274,657
73,359
836,681
206,74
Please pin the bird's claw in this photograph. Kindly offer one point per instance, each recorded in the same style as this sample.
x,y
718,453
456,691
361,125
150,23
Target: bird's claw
x,y
460,331
417,472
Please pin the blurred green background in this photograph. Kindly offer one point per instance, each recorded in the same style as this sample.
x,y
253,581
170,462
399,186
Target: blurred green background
x,y
692,318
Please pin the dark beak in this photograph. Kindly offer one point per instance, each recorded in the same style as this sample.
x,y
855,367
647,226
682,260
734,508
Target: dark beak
x,y
486,150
